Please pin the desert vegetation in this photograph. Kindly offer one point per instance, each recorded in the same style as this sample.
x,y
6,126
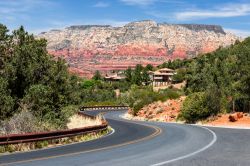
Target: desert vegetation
x,y
218,82
37,91
138,97
38,88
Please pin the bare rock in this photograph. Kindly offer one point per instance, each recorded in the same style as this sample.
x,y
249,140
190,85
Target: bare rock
x,y
233,117
87,48
239,115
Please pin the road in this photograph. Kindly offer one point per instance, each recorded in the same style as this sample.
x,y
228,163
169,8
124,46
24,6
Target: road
x,y
147,143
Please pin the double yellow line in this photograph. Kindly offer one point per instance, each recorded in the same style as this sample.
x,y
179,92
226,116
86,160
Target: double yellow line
x,y
157,132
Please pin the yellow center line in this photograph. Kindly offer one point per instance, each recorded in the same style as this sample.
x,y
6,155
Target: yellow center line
x,y
157,132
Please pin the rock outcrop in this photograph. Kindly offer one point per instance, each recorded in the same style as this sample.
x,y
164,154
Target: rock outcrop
x,y
87,48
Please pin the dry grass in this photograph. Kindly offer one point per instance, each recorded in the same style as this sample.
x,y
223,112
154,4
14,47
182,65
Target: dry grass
x,y
52,143
22,121
78,121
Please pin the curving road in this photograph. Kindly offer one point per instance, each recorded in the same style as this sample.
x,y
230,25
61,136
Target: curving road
x,y
147,143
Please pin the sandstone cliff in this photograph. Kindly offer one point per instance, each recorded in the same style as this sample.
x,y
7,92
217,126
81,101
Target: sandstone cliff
x,y
102,47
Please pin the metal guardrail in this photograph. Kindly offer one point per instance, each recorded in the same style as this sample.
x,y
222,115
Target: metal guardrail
x,y
34,137
86,108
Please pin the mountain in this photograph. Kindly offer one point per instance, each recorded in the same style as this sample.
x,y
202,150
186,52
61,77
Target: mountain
x,y
87,48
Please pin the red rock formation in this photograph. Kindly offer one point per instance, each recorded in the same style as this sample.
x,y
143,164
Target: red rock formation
x,y
91,47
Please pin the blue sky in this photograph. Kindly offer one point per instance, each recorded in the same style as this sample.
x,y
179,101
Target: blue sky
x,y
42,15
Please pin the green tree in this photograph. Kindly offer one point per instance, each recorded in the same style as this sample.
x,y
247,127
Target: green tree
x,y
193,108
4,41
128,74
6,101
97,75
30,76
39,98
226,72
149,67
145,77
180,75
88,84
137,75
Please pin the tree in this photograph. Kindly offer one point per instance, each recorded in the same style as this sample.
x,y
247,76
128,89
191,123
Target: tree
x,y
138,97
225,72
149,67
128,74
97,75
180,75
4,40
193,108
30,76
145,77
137,75
6,101
88,84
139,67
40,98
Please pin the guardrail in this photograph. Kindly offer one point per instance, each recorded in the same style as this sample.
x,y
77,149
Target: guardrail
x,y
86,108
34,137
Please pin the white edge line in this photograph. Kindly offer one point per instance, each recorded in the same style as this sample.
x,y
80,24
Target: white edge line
x,y
57,146
224,127
193,153
190,154
199,125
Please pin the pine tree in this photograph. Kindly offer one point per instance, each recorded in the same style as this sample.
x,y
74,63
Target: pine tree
x,y
128,74
97,75
137,75
145,77
149,67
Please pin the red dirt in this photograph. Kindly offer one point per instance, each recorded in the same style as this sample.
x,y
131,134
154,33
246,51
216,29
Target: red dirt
x,y
168,111
223,120
163,111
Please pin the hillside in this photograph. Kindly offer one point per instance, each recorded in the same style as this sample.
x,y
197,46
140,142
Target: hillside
x,y
102,47
217,86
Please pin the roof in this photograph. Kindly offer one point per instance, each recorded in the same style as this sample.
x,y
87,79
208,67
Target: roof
x,y
163,74
114,77
165,69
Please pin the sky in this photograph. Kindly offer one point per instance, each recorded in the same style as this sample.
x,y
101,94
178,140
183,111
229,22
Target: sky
x,y
42,15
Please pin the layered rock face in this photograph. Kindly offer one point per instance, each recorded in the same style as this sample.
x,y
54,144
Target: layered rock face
x,y
87,48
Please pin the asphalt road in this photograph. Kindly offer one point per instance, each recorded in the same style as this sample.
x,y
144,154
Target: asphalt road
x,y
147,143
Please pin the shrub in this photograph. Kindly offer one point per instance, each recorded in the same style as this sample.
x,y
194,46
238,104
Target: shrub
x,y
136,97
87,84
46,104
194,108
23,122
6,101
103,103
180,76
170,93
30,76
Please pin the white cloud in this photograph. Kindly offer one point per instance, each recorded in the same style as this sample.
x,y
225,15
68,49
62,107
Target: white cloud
x,y
19,8
146,3
138,2
226,10
238,32
101,4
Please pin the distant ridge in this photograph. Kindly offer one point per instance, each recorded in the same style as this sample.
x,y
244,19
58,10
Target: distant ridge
x,y
87,48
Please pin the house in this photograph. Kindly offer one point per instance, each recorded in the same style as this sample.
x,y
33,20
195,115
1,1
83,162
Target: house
x,y
114,77
162,77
